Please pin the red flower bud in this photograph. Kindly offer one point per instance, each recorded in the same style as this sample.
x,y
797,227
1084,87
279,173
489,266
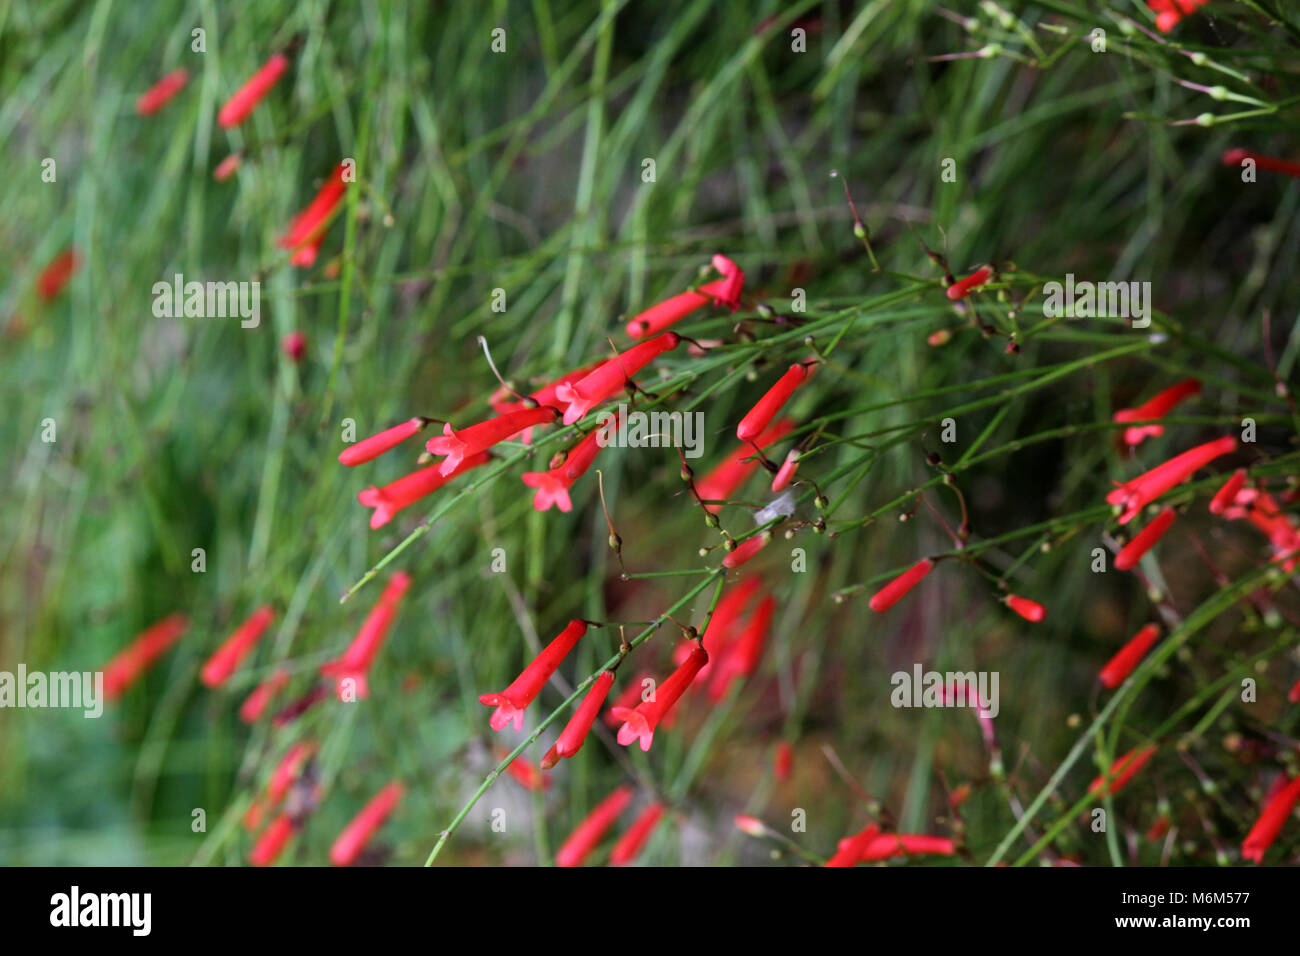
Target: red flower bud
x,y
1129,656
894,591
251,93
357,834
1144,540
223,663
589,832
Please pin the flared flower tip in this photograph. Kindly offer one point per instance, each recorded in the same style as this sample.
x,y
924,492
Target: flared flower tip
x,y
635,727
506,712
552,489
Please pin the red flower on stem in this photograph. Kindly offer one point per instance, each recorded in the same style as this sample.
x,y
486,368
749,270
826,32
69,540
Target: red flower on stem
x,y
357,834
1122,771
458,445
307,230
1235,157
526,773
1157,407
1128,657
741,657
1270,822
1227,495
272,842
610,377
630,695
553,485
56,275
783,761
765,409
575,731
744,552
1170,12
894,591
785,474
730,473
161,93
1030,610
137,657
1144,540
511,702
907,844
640,723
631,843
850,849
222,664
1136,493
359,657
226,168
964,287
256,703
590,831
407,490
371,448
246,98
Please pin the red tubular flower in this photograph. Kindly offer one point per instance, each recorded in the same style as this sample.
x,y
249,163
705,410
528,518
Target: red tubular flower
x,y
732,285
765,409
371,448
457,445
525,773
783,761
629,696
295,346
742,553
1030,610
161,93
1270,822
1234,157
502,400
1227,495
1170,12
589,832
575,731
894,591
785,473
1156,407
1263,512
357,659
511,702
357,834
1137,493
307,230
256,703
553,485
611,376
223,663
1293,694
407,490
1122,771
907,844
1129,656
964,287
850,849
742,656
251,93
287,771
226,168
672,310
272,842
136,658
56,275
640,723
1144,540
730,473
631,843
